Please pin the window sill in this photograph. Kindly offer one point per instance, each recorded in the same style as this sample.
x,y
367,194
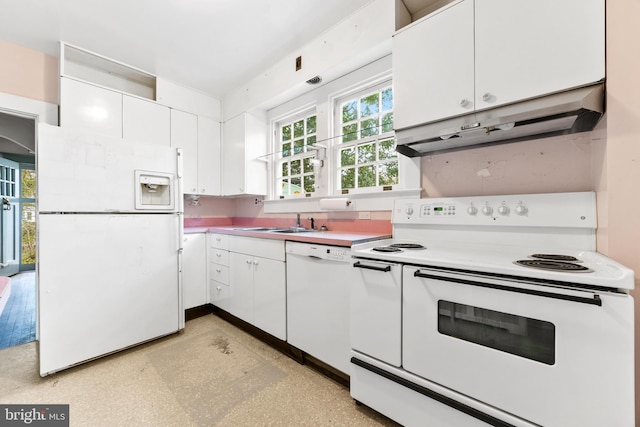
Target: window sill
x,y
379,201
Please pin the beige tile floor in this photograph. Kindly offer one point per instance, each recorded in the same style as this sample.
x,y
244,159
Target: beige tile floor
x,y
212,374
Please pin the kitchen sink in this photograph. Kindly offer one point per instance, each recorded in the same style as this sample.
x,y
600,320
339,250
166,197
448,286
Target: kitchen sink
x,y
256,229
292,230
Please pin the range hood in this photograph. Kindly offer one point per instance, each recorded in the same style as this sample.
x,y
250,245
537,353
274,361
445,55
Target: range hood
x,y
576,110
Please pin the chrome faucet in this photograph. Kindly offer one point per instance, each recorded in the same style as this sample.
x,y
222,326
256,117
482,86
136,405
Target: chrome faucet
x,y
298,220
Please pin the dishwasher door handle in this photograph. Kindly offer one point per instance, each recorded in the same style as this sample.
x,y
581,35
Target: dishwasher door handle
x,y
358,264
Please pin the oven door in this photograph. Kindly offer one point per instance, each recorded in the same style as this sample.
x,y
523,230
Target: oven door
x,y
553,356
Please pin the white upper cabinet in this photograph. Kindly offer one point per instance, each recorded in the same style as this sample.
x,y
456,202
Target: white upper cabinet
x,y
244,171
526,48
199,137
209,157
433,67
473,55
145,122
92,108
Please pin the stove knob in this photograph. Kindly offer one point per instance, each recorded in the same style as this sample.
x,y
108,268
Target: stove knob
x,y
472,210
487,210
503,210
521,209
409,211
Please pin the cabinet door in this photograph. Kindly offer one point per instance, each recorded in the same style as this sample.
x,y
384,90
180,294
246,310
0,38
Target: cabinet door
x,y
184,134
241,269
194,270
529,48
433,67
233,163
145,122
89,107
270,305
209,174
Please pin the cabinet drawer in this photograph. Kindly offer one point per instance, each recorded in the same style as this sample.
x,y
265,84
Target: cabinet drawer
x,y
220,241
220,294
219,256
219,273
265,248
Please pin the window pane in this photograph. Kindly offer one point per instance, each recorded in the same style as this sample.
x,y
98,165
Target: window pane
x,y
298,146
284,186
388,173
311,140
348,178
285,169
296,187
286,133
369,127
28,184
309,182
522,336
28,233
366,153
286,149
369,105
349,111
387,149
349,133
295,167
311,124
387,99
298,129
307,166
366,176
348,157
387,122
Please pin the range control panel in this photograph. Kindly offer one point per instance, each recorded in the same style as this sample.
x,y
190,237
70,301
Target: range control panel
x,y
536,210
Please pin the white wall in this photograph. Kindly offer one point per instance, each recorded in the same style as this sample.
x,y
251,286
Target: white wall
x,y
357,40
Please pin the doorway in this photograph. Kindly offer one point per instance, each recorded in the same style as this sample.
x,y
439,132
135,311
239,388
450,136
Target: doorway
x,y
18,296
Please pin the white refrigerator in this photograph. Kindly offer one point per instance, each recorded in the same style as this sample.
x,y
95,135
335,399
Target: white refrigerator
x,y
109,245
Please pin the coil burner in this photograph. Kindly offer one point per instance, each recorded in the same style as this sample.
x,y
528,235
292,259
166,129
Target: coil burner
x,y
568,267
555,257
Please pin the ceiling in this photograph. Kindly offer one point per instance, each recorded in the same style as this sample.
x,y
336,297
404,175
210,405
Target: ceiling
x,y
210,45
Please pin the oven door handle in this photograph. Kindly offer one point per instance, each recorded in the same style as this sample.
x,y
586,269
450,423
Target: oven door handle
x,y
592,301
358,264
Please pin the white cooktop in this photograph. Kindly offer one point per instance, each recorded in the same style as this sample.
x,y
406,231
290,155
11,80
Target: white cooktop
x,y
488,234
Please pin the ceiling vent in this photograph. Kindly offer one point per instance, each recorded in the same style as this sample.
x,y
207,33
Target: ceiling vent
x,y
314,80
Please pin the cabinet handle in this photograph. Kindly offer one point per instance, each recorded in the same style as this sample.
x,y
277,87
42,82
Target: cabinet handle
x,y
218,270
218,254
255,262
202,191
487,97
218,288
386,268
248,261
464,103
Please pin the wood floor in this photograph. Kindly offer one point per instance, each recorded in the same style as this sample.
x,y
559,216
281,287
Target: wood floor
x,y
18,319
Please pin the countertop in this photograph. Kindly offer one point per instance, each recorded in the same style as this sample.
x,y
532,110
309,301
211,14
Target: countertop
x,y
336,238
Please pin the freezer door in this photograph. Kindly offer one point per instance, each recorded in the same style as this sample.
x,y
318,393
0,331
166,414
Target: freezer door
x,y
106,282
82,172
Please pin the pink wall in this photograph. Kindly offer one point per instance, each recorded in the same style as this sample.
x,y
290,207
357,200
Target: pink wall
x,y
619,185
28,73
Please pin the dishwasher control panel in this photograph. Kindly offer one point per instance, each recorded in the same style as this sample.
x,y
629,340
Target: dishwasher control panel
x,y
334,253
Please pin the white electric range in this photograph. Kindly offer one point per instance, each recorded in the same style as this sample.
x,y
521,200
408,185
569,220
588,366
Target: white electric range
x,y
494,309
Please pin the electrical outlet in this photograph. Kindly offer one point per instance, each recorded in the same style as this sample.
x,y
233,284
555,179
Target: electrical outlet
x,y
257,201
364,215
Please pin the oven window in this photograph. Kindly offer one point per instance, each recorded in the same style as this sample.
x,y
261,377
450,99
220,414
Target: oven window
x,y
522,336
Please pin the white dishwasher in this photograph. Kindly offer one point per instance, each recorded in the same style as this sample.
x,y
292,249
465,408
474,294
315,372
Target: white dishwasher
x,y
318,302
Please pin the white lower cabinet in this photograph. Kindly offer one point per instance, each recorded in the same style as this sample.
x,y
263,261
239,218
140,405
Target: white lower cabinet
x,y
194,270
257,283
